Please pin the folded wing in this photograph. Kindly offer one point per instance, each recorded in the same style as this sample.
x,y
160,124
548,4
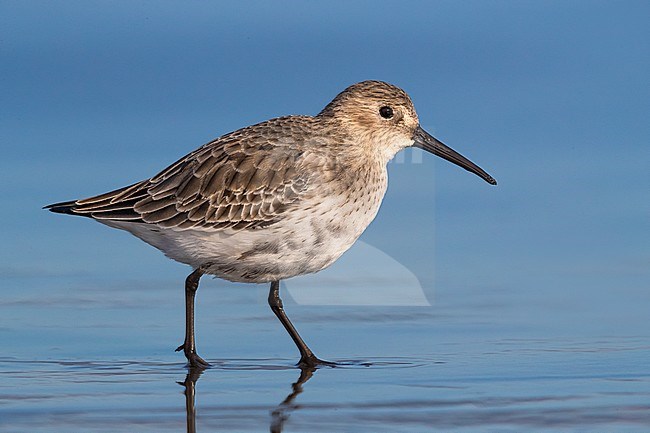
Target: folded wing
x,y
241,180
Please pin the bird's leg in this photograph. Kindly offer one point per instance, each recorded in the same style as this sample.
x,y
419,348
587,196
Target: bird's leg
x,y
307,357
188,347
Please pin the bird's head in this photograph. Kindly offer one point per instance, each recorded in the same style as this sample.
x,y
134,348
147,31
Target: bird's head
x,y
383,121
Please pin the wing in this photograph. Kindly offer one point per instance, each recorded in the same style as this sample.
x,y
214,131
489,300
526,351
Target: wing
x,y
246,179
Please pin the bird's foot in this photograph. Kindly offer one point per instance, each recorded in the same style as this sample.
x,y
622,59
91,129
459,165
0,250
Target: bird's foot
x,y
312,362
193,358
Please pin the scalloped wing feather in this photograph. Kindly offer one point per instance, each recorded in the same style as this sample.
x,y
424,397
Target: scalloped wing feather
x,y
241,180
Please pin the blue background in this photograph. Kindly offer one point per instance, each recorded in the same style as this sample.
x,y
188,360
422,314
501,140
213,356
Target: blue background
x,y
551,97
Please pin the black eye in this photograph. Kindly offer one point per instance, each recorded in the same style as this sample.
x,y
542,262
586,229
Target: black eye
x,y
386,112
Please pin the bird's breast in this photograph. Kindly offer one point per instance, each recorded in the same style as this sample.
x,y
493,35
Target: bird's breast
x,y
312,236
334,220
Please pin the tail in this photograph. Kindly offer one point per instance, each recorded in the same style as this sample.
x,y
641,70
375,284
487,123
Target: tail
x,y
114,205
66,207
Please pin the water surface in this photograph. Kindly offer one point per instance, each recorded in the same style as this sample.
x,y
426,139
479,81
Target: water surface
x,y
457,367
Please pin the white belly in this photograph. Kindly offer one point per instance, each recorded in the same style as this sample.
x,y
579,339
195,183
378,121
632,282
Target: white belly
x,y
302,242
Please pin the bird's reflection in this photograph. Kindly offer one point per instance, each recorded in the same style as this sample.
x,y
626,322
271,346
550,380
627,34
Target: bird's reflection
x,y
190,396
278,416
281,413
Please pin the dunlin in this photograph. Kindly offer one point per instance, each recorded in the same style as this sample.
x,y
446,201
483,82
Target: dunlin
x,y
274,200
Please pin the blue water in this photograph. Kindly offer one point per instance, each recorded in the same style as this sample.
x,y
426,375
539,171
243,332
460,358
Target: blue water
x,y
520,307
461,365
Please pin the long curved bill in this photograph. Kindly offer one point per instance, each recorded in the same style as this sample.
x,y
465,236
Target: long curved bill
x,y
426,141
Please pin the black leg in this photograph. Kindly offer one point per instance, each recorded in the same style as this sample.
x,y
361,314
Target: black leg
x,y
307,357
188,347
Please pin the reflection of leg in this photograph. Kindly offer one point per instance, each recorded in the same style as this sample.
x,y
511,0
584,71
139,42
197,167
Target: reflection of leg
x,y
190,397
280,414
189,347
305,374
307,357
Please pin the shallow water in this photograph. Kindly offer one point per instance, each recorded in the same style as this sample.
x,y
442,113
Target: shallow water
x,y
402,394
405,369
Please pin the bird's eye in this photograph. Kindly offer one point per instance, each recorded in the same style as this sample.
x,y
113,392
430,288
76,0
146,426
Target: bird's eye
x,y
386,112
